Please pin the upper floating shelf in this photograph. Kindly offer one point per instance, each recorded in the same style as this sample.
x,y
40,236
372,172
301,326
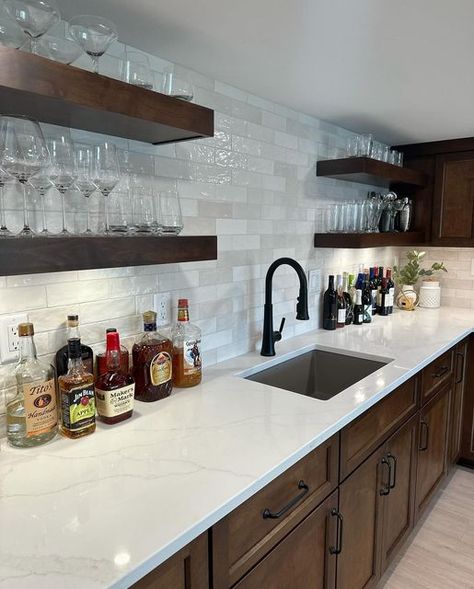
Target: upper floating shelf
x,y
64,95
366,170
365,240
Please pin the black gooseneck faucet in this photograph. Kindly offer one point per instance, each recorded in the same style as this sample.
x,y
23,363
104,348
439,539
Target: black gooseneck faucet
x,y
269,336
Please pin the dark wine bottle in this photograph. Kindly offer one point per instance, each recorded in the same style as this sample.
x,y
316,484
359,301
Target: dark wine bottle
x,y
391,290
330,306
358,308
384,299
367,301
349,302
341,304
373,289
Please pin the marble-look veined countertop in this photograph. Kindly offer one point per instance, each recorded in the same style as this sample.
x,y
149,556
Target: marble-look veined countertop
x,y
103,511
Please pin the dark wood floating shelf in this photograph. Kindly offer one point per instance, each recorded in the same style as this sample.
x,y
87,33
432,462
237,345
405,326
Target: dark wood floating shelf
x,y
365,170
64,95
57,254
359,240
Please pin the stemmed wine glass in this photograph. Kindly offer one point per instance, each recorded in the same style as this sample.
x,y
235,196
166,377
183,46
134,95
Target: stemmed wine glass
x,y
24,154
63,168
94,34
41,183
85,166
35,17
4,231
106,174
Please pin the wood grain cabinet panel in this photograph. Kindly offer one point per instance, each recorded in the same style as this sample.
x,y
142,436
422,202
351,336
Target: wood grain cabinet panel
x,y
467,430
456,410
436,375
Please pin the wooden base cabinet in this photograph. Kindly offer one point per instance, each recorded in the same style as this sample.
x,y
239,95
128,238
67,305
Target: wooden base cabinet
x,y
457,399
467,430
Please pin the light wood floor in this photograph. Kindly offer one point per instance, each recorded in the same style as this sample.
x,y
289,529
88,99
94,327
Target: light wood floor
x,y
441,551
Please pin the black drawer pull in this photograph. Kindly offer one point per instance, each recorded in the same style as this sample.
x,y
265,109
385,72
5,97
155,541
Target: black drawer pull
x,y
441,372
386,489
424,445
338,548
393,473
267,514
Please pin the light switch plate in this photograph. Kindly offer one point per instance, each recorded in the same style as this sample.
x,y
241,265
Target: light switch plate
x,y
9,341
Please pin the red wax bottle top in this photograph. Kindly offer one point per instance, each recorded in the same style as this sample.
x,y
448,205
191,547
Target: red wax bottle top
x,y
113,341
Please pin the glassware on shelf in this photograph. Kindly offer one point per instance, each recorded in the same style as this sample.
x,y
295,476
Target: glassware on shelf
x,y
59,49
24,154
119,212
4,231
94,34
34,17
41,183
171,220
84,157
352,145
177,86
106,174
141,197
136,70
365,143
374,211
63,172
11,35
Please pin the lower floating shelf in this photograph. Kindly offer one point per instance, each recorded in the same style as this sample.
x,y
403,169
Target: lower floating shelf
x,y
359,240
58,254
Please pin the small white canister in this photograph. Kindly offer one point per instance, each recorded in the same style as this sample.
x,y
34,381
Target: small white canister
x,y
430,294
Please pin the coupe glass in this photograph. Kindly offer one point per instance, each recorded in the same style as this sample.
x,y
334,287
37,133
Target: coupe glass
x,y
63,168
171,220
94,34
4,231
106,174
10,33
41,183
136,70
59,49
24,154
84,155
35,17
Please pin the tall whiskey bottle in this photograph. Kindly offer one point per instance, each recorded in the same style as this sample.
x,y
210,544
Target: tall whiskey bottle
x,y
62,357
187,364
32,417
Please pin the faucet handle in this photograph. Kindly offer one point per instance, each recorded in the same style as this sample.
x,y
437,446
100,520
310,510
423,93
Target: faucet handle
x,y
277,334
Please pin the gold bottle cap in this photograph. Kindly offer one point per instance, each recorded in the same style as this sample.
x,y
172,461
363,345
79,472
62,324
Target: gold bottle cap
x,y
25,329
149,317
73,320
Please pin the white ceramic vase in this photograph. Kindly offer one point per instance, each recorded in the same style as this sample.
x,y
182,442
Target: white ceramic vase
x,y
430,294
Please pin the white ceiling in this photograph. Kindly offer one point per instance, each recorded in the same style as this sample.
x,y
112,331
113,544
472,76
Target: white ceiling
x,y
400,68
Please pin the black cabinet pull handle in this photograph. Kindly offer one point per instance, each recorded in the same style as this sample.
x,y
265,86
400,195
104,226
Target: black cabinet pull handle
x,y
424,444
393,480
386,489
267,514
461,365
339,531
441,372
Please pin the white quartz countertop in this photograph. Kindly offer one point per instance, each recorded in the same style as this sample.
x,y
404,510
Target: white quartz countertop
x,y
103,511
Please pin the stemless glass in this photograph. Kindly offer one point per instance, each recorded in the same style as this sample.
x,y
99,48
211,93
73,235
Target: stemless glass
x,y
171,220
84,157
35,17
4,231
59,49
176,86
11,35
94,34
143,214
24,154
106,174
136,70
41,183
63,168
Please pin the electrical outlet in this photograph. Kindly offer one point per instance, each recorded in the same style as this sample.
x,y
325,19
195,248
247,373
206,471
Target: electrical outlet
x,y
314,280
9,340
162,305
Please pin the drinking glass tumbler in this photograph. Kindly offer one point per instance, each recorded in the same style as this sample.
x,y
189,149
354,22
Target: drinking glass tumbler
x,y
171,220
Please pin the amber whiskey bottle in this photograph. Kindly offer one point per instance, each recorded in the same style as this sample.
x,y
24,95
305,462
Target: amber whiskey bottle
x,y
76,396
62,356
187,363
152,362
101,357
114,389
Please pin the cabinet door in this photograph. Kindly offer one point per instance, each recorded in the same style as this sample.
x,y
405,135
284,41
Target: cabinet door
x,y
399,504
187,569
453,204
455,420
360,503
305,558
432,447
467,433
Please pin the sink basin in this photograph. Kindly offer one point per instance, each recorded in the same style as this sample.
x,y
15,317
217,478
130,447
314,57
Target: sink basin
x,y
318,373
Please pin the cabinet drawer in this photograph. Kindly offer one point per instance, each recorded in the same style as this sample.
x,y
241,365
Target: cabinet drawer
x,y
372,428
435,375
244,536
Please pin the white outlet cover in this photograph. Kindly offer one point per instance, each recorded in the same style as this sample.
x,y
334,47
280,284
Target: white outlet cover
x,y
314,280
8,339
162,305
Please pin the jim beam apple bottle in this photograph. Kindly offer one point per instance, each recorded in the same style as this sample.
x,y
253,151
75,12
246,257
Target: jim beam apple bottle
x,y
32,417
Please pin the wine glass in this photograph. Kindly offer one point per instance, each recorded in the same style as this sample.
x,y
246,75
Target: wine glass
x,y
106,174
35,17
63,168
94,34
24,154
59,49
84,155
41,183
4,231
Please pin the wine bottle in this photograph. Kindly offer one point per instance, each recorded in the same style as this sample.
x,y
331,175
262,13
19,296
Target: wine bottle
x,y
347,297
367,301
391,290
373,289
341,304
358,308
330,306
360,281
384,299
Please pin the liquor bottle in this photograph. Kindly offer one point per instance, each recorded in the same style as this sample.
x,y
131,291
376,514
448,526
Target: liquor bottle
x,y
379,277
358,308
341,304
152,362
384,299
373,289
62,357
367,301
76,395
391,290
348,299
352,287
360,281
115,388
330,306
101,357
32,416
186,336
